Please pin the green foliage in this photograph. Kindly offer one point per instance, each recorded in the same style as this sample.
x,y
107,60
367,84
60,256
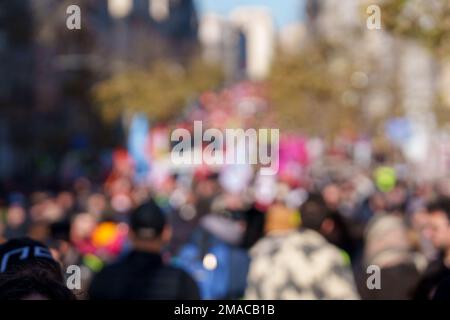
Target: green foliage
x,y
427,21
161,92
308,93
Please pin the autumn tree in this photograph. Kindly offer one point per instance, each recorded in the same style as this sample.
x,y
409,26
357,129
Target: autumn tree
x,y
313,91
161,91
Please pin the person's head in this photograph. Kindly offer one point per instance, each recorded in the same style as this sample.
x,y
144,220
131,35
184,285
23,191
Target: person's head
x,y
82,226
378,202
280,219
66,200
15,216
149,230
29,271
316,215
332,195
33,286
439,223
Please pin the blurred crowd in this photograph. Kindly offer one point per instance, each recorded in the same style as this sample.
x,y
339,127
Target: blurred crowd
x,y
311,232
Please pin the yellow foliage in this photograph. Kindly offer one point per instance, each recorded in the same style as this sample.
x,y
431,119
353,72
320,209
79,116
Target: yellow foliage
x,y
306,93
161,91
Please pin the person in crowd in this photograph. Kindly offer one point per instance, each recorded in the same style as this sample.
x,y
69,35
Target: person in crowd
x,y
293,263
443,290
215,256
28,271
388,247
438,232
16,223
315,215
143,273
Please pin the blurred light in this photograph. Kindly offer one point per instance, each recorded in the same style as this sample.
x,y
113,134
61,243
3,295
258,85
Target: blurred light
x,y
188,212
93,262
159,9
385,178
210,262
120,8
104,234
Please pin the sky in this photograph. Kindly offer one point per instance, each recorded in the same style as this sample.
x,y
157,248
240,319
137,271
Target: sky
x,y
285,12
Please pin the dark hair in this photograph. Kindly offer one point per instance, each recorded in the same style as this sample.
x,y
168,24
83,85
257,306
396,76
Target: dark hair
x,y
313,212
16,286
46,268
440,204
42,277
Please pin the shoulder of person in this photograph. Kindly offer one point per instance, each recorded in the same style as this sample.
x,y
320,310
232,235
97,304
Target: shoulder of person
x,y
111,269
312,241
267,245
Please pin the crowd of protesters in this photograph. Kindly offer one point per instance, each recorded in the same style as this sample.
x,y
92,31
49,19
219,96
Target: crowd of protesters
x,y
311,232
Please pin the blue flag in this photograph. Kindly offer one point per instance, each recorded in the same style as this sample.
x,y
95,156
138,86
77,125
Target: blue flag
x,y
138,144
